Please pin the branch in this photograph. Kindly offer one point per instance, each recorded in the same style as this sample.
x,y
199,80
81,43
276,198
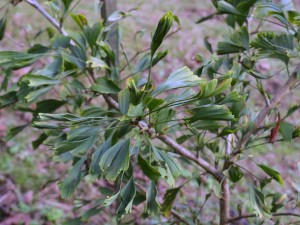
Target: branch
x,y
279,94
224,202
186,153
225,195
167,140
52,20
255,215
173,144
110,101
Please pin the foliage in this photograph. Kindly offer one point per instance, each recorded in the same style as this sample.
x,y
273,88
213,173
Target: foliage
x,y
114,137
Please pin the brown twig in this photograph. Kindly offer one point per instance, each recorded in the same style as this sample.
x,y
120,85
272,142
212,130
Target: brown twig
x,y
225,194
53,21
187,154
237,218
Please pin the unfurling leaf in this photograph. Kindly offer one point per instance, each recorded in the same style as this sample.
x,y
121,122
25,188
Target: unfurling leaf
x,y
163,27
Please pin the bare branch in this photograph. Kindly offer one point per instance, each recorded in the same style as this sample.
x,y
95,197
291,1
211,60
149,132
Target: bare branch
x,y
110,101
52,20
255,215
225,195
224,202
186,153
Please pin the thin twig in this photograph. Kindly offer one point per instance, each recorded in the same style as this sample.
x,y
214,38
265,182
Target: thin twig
x,y
186,153
278,96
36,5
233,219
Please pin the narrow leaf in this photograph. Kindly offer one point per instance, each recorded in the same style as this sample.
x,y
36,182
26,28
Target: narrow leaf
x,y
68,186
168,201
115,160
272,173
148,170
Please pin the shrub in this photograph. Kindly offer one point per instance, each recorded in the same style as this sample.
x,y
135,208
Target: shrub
x,y
196,128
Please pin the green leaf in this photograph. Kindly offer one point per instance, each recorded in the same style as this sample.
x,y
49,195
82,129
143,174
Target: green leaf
x,y
207,89
76,57
38,49
124,100
80,20
286,130
225,7
168,201
115,160
68,186
292,109
173,166
12,132
8,99
258,202
60,41
211,112
108,51
78,141
67,4
17,60
238,42
161,119
271,45
181,78
2,27
92,33
97,63
90,212
109,200
75,221
272,173
152,205
135,110
78,38
211,88
145,61
127,196
36,143
34,95
116,16
48,106
151,172
38,80
233,96
162,29
206,125
104,85
235,174
97,155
